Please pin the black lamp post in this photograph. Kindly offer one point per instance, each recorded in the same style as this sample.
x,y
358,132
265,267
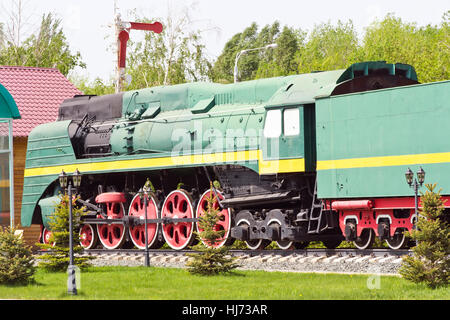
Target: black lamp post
x,y
415,184
65,182
143,194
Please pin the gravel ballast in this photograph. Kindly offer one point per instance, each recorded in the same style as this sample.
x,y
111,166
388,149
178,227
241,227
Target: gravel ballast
x,y
332,264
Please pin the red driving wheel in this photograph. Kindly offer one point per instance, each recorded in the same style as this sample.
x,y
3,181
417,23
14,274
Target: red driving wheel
x,y
46,234
137,233
112,235
224,222
178,204
88,236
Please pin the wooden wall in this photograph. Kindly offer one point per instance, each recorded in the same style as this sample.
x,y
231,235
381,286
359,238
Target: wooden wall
x,y
31,234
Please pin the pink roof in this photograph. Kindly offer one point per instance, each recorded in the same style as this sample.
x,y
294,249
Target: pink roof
x,y
38,92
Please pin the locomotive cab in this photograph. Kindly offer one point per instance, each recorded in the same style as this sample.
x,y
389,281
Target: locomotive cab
x,y
288,138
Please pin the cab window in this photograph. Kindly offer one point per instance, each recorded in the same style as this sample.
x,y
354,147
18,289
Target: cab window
x,y
291,120
272,127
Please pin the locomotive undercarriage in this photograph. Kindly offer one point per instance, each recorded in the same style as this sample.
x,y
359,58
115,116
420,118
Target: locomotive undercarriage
x,y
279,208
255,209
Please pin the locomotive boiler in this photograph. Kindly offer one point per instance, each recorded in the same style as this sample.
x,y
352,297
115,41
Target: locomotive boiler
x,y
308,157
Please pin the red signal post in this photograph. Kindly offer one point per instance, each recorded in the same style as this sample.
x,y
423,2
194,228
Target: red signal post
x,y
123,36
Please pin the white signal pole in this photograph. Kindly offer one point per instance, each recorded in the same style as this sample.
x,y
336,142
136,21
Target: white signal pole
x,y
117,27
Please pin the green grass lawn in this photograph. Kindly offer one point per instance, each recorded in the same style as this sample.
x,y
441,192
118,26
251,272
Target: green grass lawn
x,y
173,284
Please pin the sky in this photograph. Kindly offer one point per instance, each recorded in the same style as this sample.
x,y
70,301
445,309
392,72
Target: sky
x,y
87,24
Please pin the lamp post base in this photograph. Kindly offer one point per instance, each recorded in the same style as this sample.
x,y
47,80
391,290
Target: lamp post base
x,y
71,280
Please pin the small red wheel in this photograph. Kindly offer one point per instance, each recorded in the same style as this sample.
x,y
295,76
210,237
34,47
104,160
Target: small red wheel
x,y
224,222
46,234
88,236
112,235
178,204
137,233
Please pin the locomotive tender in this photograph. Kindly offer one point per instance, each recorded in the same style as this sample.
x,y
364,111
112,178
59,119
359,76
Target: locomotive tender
x,y
309,157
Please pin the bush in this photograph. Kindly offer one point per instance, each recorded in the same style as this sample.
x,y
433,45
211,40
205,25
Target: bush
x,y
16,259
210,260
430,262
58,257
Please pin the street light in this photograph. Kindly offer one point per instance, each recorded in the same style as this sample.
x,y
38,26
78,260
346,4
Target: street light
x,y
272,45
76,178
63,179
415,184
143,193
65,182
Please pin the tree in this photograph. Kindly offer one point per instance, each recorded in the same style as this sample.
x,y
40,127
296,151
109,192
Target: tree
x,y
47,48
263,63
224,65
426,48
96,87
176,55
210,260
16,259
329,48
58,257
430,262
17,18
281,62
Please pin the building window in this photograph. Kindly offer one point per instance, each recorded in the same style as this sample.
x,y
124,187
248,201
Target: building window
x,y
5,170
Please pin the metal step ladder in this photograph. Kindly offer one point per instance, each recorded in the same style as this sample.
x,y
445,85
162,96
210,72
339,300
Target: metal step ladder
x,y
315,215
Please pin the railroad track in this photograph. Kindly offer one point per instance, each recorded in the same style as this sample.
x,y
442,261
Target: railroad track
x,y
378,261
354,261
266,252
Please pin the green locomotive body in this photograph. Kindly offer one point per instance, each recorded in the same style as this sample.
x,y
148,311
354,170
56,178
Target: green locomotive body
x,y
366,141
256,138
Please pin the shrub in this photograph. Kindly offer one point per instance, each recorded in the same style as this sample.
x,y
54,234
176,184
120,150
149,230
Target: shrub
x,y
57,259
16,259
210,260
430,262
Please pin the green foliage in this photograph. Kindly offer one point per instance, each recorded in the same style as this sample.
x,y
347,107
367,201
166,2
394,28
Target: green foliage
x,y
281,60
16,260
180,185
149,186
331,47
224,65
97,87
58,257
211,260
430,263
262,63
426,48
328,48
46,48
176,55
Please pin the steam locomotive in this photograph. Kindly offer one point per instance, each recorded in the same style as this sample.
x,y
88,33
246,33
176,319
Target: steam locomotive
x,y
294,159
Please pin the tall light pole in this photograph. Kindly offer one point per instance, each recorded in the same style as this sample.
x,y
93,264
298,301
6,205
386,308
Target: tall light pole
x,y
66,183
272,45
415,184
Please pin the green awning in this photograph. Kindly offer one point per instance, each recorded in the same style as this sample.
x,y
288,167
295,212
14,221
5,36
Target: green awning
x,y
8,107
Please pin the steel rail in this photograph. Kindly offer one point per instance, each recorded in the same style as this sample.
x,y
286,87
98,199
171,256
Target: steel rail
x,y
265,252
